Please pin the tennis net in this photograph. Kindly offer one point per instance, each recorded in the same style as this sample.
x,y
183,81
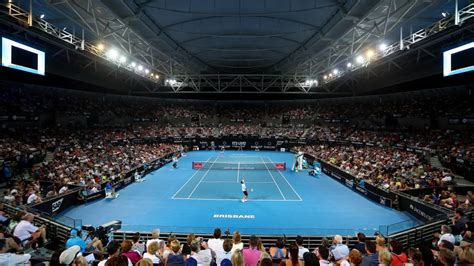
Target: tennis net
x,y
239,166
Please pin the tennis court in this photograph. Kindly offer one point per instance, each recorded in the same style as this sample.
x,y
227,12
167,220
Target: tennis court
x,y
282,201
264,181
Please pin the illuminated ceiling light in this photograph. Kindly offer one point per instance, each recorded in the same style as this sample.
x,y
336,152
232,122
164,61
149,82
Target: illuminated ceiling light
x,y
370,53
335,71
123,59
360,59
100,46
152,74
157,76
383,47
133,64
444,14
330,75
349,65
64,29
113,53
147,71
140,67
325,77
42,16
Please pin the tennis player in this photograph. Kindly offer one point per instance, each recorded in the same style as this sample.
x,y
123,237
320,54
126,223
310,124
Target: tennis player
x,y
244,190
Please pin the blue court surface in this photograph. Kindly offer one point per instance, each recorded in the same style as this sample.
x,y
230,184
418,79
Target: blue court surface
x,y
280,202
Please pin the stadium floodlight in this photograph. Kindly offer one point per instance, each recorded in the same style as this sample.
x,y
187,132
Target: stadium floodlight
x,y
147,71
370,53
360,59
140,67
42,16
325,77
100,46
349,65
133,64
335,71
330,75
123,59
157,76
383,47
112,54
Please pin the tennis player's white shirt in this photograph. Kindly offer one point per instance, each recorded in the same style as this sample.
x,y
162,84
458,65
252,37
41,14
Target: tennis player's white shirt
x,y
24,229
216,244
244,187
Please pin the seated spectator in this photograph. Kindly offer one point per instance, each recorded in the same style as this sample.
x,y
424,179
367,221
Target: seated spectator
x,y
113,250
398,256
8,259
167,249
72,256
237,258
144,262
339,251
385,258
237,242
310,259
226,252
380,243
466,256
323,255
119,260
28,233
152,252
215,244
372,258
446,235
264,262
127,251
138,246
293,258
175,258
33,198
252,254
302,250
76,240
278,252
447,257
360,245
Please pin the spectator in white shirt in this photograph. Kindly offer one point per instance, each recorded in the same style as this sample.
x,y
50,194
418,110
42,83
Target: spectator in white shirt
x,y
155,237
215,244
446,235
27,232
33,198
301,250
237,242
199,252
11,259
226,252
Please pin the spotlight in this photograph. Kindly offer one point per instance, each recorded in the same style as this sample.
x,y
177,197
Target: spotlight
x,y
100,46
360,59
123,59
370,53
349,65
140,68
335,71
383,47
133,64
113,54
42,16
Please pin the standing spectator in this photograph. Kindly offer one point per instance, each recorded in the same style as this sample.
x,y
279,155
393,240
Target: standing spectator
x,y
310,259
360,245
215,244
155,236
152,253
237,258
113,250
127,251
385,258
323,255
339,250
175,258
226,252
398,256
199,252
459,225
355,257
186,250
293,260
372,258
252,254
301,250
380,243
278,252
138,246
237,242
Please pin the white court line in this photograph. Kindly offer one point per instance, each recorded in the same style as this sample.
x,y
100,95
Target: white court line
x,y
205,174
285,179
238,171
188,180
232,199
232,182
273,178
